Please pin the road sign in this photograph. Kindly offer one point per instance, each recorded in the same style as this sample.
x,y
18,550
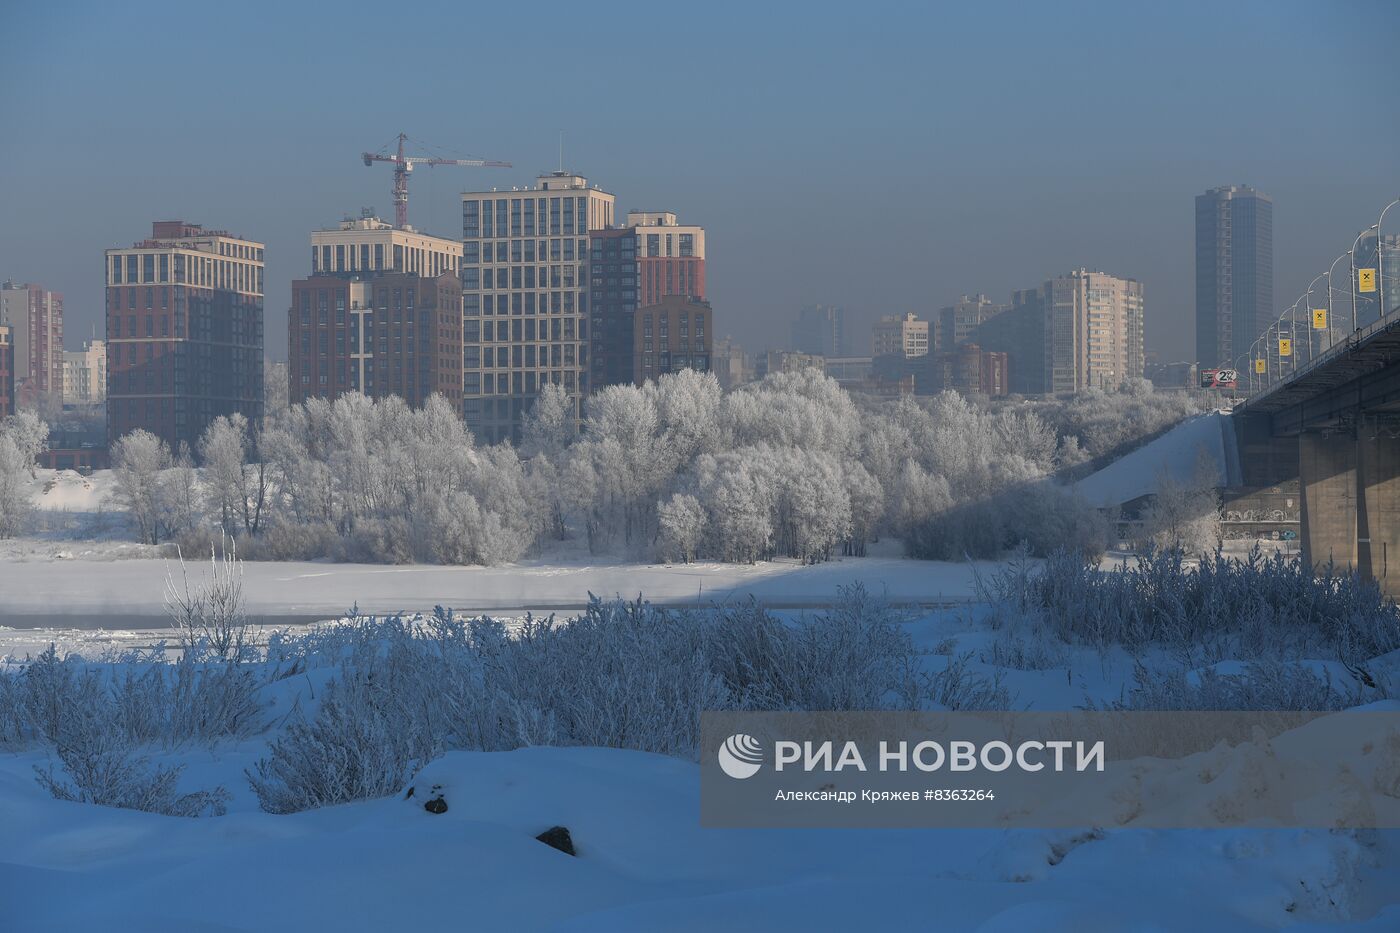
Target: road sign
x,y
1319,318
1285,346
1365,280
1261,366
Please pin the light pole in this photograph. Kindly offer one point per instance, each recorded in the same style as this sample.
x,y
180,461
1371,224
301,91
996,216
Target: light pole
x,y
1273,346
1293,335
1310,320
1357,242
1380,257
1330,269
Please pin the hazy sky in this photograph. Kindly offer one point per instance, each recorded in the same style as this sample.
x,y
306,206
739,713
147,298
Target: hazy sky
x,y
882,156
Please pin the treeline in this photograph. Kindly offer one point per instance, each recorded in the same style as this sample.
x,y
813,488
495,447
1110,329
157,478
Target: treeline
x,y
677,470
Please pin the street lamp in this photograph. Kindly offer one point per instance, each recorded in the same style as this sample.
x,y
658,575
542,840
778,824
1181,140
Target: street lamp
x,y
1310,310
1330,269
1357,242
1380,257
1293,334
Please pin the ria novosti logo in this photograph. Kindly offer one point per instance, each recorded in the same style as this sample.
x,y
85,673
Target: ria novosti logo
x,y
741,756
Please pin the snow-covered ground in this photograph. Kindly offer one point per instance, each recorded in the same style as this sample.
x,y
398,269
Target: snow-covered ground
x,y
643,862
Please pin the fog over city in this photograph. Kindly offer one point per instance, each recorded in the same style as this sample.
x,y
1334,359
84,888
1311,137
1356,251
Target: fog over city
x,y
628,466
886,158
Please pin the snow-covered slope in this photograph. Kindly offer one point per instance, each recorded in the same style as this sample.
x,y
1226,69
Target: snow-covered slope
x,y
1175,454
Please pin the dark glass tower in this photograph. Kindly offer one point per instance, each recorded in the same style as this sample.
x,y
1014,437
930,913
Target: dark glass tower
x,y
1234,272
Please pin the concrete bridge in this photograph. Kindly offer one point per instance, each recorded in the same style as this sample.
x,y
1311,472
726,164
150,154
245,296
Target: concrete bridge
x,y
1334,427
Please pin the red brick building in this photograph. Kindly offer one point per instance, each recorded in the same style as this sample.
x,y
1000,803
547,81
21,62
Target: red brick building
x,y
395,334
674,334
635,266
184,332
381,314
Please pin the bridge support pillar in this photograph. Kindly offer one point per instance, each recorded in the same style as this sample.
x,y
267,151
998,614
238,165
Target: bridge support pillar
x,y
1378,505
1327,482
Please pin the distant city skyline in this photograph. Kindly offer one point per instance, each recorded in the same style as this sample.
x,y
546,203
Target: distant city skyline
x,y
852,164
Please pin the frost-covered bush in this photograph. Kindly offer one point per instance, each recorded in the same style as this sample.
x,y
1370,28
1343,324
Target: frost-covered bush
x,y
1256,607
622,675
1262,685
208,617
104,770
361,744
959,688
139,701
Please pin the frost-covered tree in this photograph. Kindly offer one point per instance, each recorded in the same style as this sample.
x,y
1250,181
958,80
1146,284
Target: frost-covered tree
x,y
138,460
30,435
181,508
1186,514
14,488
549,427
224,449
682,528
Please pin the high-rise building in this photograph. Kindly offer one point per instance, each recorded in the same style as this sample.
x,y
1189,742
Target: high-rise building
x,y
1093,331
7,371
1234,272
525,294
958,322
675,333
636,266
381,314
731,364
903,336
85,374
968,370
821,330
184,332
1074,332
1019,333
35,317
786,361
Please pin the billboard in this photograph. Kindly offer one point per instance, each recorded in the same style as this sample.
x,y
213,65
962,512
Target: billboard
x,y
1219,379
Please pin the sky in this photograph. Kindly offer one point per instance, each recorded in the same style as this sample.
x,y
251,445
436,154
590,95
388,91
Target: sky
x,y
882,156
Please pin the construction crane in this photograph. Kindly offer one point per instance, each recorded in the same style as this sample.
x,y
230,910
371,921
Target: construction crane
x,y
403,167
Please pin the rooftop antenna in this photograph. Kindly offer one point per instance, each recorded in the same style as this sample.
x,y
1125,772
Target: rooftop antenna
x,y
561,152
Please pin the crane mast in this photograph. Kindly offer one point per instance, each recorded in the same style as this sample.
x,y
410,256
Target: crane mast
x,y
403,167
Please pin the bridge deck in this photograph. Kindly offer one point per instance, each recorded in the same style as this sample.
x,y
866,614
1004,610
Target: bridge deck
x,y
1356,376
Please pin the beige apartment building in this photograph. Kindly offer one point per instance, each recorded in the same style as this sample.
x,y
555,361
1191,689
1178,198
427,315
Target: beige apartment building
x,y
903,336
35,318
85,373
1093,331
525,296
367,246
